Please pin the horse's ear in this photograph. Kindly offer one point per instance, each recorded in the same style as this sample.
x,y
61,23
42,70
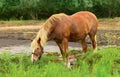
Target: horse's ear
x,y
38,41
31,39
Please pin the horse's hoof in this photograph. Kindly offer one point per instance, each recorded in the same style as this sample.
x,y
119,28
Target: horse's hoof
x,y
83,54
95,50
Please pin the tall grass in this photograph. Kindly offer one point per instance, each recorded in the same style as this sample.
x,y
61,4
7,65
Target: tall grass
x,y
103,63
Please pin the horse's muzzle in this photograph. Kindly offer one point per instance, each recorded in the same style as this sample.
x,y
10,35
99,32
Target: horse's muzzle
x,y
33,60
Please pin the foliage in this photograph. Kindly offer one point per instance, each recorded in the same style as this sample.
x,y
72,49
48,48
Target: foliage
x,y
107,8
103,63
38,9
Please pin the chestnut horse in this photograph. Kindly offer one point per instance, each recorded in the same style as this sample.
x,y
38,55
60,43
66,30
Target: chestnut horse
x,y
63,28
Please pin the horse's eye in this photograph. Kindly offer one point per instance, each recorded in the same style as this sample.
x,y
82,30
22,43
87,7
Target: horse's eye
x,y
37,48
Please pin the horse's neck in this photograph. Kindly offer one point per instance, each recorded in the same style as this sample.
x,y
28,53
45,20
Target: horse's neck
x,y
51,34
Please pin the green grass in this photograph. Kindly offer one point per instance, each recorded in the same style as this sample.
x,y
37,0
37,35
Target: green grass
x,y
103,63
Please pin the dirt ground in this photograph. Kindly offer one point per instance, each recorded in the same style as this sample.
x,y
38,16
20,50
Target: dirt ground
x,y
14,35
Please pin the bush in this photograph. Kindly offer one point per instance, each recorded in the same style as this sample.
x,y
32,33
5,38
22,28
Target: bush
x,y
38,9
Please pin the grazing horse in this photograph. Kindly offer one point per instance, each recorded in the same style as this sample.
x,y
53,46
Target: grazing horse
x,y
63,28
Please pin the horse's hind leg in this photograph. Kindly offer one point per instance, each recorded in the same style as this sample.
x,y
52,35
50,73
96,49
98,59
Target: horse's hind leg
x,y
84,45
93,39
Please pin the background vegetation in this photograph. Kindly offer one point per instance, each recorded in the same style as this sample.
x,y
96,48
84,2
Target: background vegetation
x,y
39,9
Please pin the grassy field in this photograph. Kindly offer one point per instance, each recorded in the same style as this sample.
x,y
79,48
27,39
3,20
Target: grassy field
x,y
103,63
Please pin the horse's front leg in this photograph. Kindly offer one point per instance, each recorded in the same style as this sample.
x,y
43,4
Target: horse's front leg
x,y
65,50
61,49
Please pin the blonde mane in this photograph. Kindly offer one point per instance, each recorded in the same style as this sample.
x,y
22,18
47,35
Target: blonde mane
x,y
42,34
44,30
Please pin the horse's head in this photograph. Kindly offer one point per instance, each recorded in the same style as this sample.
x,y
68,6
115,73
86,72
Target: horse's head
x,y
37,52
40,41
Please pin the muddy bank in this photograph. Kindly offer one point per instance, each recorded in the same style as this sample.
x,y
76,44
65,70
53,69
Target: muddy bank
x,y
104,37
108,37
20,44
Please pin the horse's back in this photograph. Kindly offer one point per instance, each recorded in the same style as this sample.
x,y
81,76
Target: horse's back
x,y
84,16
89,16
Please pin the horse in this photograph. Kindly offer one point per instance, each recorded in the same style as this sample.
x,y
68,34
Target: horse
x,y
64,28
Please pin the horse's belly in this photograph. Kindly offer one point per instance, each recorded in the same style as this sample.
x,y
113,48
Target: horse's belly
x,y
76,37
73,40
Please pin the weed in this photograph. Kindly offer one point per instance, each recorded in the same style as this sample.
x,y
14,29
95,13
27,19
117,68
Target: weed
x,y
103,63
